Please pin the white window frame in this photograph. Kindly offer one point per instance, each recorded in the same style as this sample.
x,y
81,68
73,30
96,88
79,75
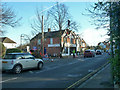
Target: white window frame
x,y
39,41
51,40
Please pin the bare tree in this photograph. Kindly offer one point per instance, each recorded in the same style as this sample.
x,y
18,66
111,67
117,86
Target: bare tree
x,y
36,25
60,16
61,20
8,16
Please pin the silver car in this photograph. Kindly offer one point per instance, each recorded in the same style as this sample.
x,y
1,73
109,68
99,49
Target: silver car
x,y
20,61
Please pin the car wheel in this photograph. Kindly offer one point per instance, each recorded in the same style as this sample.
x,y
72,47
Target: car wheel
x,y
17,69
40,65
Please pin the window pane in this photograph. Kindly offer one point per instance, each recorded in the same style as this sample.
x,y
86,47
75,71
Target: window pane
x,y
51,40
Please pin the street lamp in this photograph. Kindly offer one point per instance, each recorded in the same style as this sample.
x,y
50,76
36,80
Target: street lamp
x,y
21,36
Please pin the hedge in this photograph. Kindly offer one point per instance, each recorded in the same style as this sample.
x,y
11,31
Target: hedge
x,y
14,50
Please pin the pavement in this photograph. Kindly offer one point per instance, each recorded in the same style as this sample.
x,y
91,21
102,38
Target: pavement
x,y
102,79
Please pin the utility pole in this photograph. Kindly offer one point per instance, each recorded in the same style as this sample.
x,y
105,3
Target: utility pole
x,y
21,41
42,37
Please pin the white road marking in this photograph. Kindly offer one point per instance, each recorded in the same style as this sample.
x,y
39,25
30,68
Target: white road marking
x,y
31,72
80,59
8,80
74,75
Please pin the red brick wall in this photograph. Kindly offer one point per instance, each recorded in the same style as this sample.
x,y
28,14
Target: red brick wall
x,y
52,50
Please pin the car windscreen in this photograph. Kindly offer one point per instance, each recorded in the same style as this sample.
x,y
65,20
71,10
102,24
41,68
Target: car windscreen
x,y
98,51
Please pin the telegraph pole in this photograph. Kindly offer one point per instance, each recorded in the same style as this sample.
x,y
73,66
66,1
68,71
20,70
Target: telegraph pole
x,y
21,41
42,37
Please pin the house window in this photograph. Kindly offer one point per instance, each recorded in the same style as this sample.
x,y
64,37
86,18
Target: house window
x,y
51,40
39,41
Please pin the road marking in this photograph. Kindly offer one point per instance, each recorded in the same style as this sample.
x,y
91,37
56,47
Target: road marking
x,y
74,75
8,80
31,72
87,76
80,59
90,70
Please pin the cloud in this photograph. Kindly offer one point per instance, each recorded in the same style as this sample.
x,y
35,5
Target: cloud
x,y
93,36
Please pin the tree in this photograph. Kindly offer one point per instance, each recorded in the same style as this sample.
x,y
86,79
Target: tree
x,y
2,50
61,20
36,25
111,12
8,16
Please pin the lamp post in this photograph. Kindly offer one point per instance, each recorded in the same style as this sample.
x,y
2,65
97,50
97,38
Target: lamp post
x,y
42,37
21,37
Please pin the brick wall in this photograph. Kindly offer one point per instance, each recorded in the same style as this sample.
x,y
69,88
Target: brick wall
x,y
52,50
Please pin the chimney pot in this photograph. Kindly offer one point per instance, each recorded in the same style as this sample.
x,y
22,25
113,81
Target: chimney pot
x,y
49,30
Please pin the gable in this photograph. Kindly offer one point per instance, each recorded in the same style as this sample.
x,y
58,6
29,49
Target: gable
x,y
6,40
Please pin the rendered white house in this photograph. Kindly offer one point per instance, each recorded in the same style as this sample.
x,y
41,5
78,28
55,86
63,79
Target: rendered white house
x,y
7,42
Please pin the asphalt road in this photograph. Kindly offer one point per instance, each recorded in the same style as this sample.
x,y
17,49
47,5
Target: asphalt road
x,y
61,73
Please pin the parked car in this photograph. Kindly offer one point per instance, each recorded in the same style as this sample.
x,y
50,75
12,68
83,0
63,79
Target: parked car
x,y
98,52
16,62
89,53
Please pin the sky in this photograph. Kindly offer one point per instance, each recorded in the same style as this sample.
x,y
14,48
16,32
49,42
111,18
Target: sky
x,y
26,10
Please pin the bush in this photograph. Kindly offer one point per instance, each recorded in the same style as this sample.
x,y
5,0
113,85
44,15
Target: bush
x,y
2,50
14,50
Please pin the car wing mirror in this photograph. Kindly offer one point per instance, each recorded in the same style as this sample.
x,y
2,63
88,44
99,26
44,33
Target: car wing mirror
x,y
22,57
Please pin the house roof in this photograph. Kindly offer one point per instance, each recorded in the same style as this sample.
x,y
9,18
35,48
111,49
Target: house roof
x,y
52,34
6,40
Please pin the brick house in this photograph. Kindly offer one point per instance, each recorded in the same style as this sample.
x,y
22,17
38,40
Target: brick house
x,y
69,42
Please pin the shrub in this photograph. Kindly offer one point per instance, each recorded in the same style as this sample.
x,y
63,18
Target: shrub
x,y
14,50
2,50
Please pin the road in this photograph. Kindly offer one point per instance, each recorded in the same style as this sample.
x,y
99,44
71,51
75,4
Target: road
x,y
61,73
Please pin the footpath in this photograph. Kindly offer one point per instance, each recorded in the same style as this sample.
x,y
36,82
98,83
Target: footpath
x,y
102,79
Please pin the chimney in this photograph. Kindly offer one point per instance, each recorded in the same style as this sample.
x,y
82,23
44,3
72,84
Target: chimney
x,y
49,30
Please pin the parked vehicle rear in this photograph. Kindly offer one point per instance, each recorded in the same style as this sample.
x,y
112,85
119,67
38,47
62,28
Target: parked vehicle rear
x,y
89,53
98,52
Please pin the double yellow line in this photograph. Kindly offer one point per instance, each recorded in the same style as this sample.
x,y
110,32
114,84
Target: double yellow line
x,y
79,82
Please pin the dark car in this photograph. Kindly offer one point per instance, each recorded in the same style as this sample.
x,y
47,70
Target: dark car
x,y
89,53
98,52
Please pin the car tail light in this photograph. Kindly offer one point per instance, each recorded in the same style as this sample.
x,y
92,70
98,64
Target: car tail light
x,y
12,62
4,61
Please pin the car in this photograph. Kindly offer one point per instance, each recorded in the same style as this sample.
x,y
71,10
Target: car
x,y
16,62
89,53
98,52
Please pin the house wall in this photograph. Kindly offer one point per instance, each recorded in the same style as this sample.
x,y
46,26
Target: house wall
x,y
54,48
9,45
51,49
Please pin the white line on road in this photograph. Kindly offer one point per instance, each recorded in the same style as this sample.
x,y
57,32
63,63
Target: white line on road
x,y
8,80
